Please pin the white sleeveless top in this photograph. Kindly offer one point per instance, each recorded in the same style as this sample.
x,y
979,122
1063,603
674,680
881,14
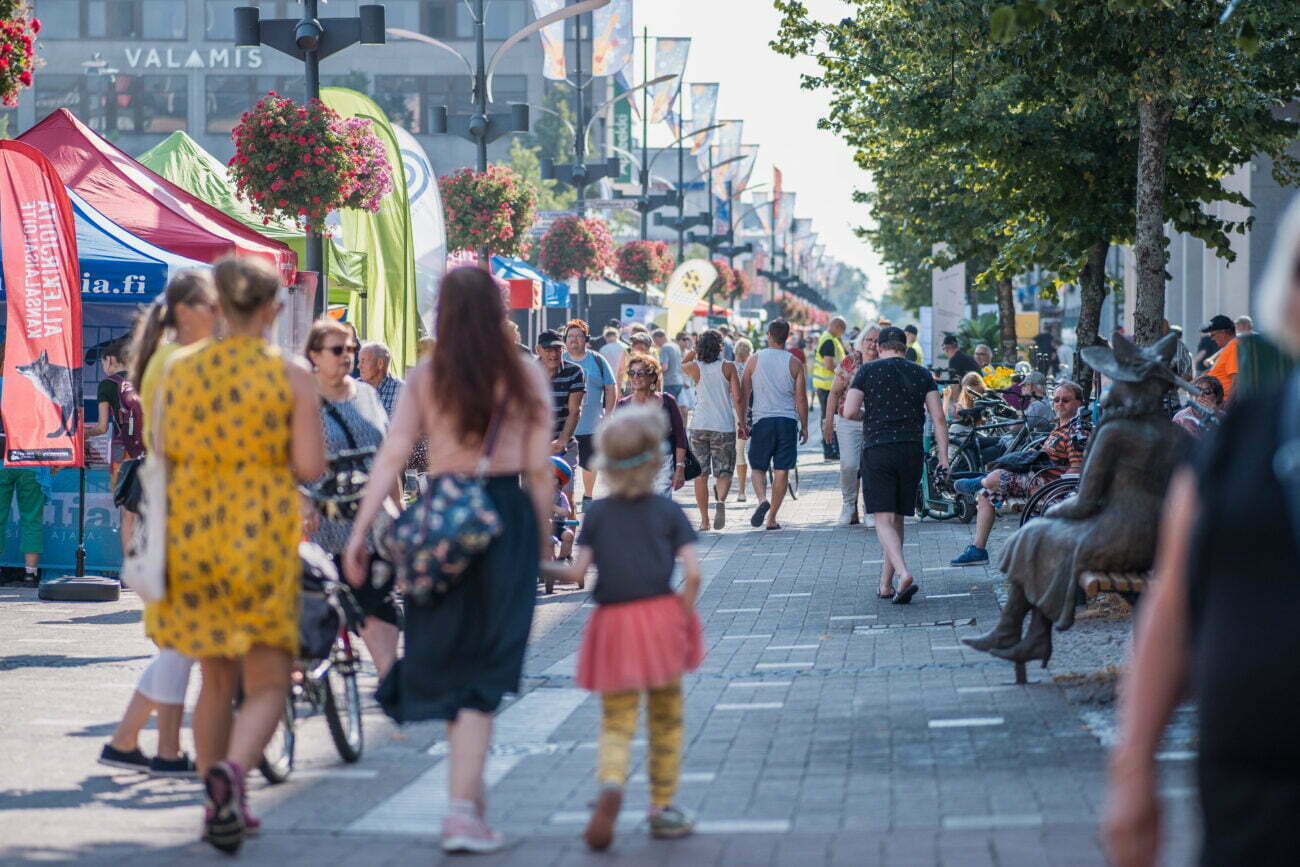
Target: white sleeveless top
x,y
713,408
773,386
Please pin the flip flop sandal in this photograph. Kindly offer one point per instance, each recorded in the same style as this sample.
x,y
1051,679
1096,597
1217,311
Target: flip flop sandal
x,y
904,596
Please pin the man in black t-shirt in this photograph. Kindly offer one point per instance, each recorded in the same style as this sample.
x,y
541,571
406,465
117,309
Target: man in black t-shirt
x,y
895,396
959,363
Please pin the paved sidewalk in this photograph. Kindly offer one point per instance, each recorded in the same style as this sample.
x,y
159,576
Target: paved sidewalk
x,y
825,727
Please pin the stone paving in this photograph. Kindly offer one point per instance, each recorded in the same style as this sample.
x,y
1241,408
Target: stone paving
x,y
825,727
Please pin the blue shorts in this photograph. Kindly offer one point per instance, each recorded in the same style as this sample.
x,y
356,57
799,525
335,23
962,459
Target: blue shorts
x,y
774,443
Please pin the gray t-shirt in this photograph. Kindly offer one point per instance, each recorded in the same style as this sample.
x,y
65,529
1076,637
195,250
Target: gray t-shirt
x,y
635,543
670,359
368,423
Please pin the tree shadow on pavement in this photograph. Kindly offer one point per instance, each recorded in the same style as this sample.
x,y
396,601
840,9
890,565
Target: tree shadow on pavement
x,y
112,618
58,660
114,853
122,790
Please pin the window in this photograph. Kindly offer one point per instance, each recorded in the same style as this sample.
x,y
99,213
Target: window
x,y
219,20
229,96
410,100
112,19
504,17
402,14
118,103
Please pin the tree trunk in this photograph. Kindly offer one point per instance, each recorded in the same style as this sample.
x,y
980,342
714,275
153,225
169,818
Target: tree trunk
x,y
972,299
1092,292
1153,141
1007,320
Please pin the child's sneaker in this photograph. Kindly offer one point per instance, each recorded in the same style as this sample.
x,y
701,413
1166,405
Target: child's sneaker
x,y
600,830
670,822
469,834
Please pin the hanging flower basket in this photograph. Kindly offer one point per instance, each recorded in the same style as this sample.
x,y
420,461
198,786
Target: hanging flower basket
x,y
726,278
299,162
742,284
18,31
644,263
491,210
577,247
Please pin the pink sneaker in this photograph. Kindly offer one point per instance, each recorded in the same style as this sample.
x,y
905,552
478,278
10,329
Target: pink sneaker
x,y
469,834
223,820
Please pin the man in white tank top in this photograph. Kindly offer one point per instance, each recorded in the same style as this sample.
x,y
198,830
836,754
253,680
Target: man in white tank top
x,y
775,380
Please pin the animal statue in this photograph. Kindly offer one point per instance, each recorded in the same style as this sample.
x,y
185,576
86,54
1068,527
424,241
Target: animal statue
x,y
1112,523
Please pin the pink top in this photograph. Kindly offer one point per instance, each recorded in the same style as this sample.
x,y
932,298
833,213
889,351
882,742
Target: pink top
x,y
520,445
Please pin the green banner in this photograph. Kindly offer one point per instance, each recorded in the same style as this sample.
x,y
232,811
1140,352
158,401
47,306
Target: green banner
x,y
621,130
389,309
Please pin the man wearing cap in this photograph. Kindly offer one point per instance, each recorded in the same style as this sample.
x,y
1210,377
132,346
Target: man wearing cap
x,y
894,395
914,351
1223,331
568,385
830,352
959,363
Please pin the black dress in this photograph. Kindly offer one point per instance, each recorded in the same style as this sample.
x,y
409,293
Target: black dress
x,y
468,652
1244,589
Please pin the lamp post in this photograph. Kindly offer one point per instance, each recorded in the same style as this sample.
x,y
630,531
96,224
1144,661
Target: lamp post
x,y
682,222
311,39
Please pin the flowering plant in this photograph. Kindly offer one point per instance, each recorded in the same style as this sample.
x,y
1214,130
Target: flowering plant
x,y
642,263
303,161
726,278
577,247
997,377
491,210
18,31
742,284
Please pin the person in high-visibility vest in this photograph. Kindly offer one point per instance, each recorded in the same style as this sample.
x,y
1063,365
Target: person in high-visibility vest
x,y
830,352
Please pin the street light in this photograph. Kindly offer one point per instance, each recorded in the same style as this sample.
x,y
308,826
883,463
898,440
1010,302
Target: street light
x,y
311,39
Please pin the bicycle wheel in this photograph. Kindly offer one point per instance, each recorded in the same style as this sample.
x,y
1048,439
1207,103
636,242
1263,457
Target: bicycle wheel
x,y
343,707
277,758
1047,496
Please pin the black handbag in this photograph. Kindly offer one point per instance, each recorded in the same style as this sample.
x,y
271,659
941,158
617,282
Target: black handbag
x,y
127,490
691,466
1022,461
319,613
338,496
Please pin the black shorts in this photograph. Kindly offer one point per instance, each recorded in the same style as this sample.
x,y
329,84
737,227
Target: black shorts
x,y
586,450
774,442
372,600
891,474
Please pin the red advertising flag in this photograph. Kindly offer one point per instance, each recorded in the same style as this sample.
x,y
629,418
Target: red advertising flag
x,y
41,403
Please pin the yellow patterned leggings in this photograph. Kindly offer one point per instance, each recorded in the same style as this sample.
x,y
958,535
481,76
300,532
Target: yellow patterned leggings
x,y
619,724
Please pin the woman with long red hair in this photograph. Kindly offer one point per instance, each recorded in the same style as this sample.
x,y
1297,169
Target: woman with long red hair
x,y
464,655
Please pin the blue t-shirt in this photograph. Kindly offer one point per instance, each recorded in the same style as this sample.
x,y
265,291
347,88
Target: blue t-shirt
x,y
598,374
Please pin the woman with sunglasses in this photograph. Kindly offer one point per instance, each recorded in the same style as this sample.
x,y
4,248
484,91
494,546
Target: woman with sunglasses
x,y
643,373
353,418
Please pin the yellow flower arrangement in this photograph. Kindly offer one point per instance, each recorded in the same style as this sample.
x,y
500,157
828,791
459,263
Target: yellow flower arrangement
x,y
997,377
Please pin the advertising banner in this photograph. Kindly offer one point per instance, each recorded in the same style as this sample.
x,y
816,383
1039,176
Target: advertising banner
x,y
685,288
427,228
726,145
620,130
786,214
704,113
744,169
553,65
948,299
670,59
611,45
41,405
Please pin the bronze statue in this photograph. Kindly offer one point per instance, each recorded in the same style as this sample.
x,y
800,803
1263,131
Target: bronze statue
x,y
1111,524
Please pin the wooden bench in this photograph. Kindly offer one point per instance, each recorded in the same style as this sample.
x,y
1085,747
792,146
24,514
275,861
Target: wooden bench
x,y
1123,583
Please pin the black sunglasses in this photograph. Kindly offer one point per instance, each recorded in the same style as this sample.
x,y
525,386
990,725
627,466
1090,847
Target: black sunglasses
x,y
640,371
350,348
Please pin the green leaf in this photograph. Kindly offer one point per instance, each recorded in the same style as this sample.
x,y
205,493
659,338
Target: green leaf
x,y
1002,23
1248,38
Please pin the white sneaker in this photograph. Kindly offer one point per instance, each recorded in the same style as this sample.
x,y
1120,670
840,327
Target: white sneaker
x,y
740,498
846,516
465,834
870,522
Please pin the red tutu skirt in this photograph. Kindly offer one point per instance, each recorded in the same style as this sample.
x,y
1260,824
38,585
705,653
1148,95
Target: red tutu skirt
x,y
644,644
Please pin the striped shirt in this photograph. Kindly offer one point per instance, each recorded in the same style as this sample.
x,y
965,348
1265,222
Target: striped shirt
x,y
566,381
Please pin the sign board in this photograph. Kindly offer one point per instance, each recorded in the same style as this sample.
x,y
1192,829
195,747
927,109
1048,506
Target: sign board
x,y
612,204
948,297
643,313
1027,325
543,220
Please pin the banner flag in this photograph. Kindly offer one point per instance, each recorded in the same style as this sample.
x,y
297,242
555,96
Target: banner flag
x,y
41,403
744,169
787,215
704,113
685,288
611,45
726,147
620,129
553,63
670,59
721,210
389,309
427,228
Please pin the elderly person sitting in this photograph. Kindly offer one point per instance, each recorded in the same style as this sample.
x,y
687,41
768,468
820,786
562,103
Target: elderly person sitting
x,y
1209,405
983,356
1063,448
374,361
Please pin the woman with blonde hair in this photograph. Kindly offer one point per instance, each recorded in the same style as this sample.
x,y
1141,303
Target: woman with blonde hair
x,y
743,349
241,426
848,432
1220,623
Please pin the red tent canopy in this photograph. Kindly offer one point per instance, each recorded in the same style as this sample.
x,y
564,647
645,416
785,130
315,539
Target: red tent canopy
x,y
144,203
702,309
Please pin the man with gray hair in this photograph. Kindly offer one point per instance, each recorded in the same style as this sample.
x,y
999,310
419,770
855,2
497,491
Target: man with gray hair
x,y
374,359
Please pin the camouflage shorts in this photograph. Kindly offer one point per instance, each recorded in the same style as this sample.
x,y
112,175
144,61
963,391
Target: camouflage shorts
x,y
716,452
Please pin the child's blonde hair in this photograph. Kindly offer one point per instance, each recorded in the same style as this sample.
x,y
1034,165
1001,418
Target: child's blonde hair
x,y
630,445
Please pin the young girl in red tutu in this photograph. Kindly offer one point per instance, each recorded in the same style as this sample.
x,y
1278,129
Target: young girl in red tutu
x,y
643,636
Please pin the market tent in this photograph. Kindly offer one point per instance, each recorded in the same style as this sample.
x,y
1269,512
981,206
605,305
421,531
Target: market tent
x,y
149,206
554,293
181,160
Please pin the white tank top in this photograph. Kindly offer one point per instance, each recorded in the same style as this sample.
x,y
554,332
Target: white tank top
x,y
773,386
713,410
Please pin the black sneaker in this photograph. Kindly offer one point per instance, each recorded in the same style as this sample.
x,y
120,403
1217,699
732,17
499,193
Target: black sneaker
x,y
183,766
132,761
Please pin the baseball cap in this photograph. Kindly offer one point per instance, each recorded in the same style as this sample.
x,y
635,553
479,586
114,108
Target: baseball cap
x,y
548,339
1036,378
950,340
1218,323
892,335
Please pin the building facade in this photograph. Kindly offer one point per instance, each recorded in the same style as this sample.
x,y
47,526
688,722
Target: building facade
x,y
137,70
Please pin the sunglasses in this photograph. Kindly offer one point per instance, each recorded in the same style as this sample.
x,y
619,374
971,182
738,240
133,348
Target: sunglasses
x,y
348,348
640,371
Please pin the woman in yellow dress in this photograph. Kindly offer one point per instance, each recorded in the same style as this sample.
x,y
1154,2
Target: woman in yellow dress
x,y
240,424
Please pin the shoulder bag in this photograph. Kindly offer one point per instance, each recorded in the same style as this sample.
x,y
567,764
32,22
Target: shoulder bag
x,y
144,568
338,496
433,541
691,468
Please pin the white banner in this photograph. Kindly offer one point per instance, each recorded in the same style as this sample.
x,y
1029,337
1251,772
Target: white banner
x,y
428,230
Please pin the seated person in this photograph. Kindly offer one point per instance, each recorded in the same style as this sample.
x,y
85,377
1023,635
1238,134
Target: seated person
x,y
963,396
1064,447
1211,398
1030,397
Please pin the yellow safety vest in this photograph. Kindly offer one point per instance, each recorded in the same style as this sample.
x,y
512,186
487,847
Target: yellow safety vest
x,y
824,377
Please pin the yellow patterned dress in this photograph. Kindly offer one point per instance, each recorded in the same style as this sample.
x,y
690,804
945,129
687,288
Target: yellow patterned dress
x,y
233,523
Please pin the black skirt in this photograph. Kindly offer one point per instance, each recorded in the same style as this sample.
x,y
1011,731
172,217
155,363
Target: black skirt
x,y
468,652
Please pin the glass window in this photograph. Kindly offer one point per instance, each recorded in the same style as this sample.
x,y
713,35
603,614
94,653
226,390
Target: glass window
x,y
509,88
55,91
504,17
402,14
60,19
441,18
229,96
401,98
152,103
219,20
162,19
111,19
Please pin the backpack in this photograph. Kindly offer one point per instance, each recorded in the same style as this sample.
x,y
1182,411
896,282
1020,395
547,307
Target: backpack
x,y
128,418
